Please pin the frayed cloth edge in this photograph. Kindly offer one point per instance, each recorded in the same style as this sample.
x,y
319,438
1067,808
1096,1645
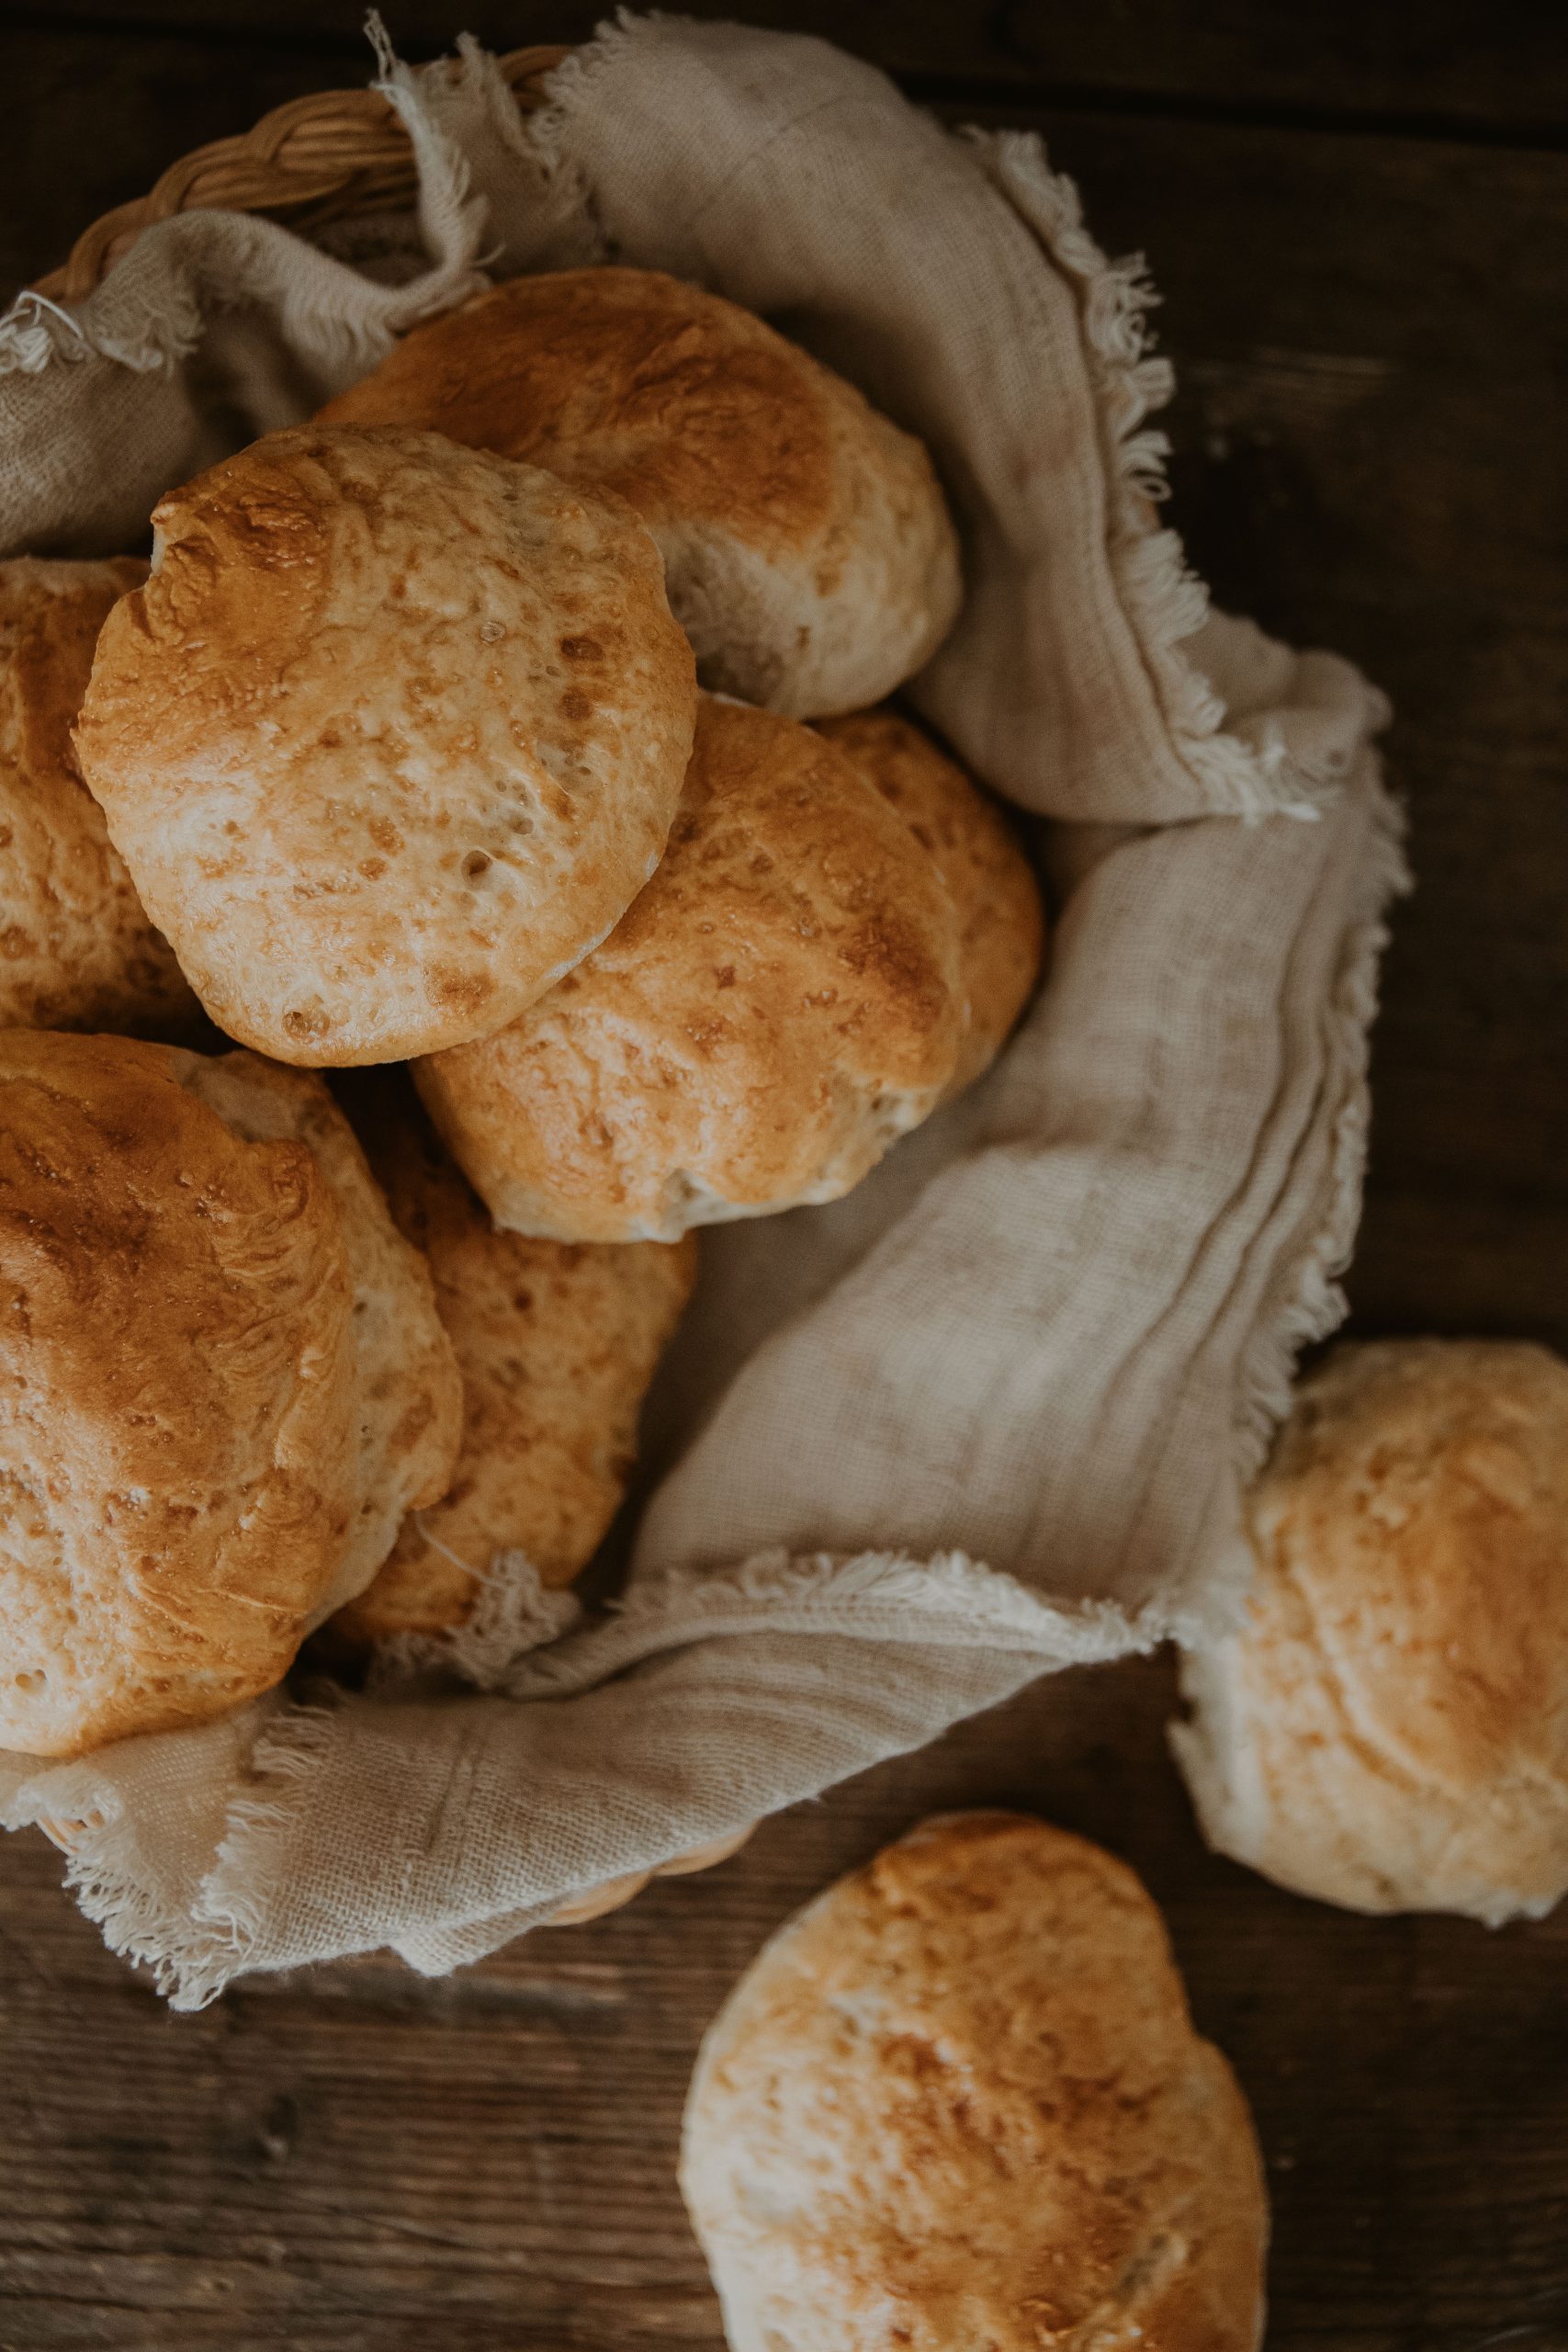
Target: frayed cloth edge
x,y
36,331
1314,1304
1166,601
872,1596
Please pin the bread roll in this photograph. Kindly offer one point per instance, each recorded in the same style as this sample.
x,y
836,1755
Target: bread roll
x,y
779,1004
556,1344
392,736
223,1382
991,881
808,552
958,2101
1389,1730
77,950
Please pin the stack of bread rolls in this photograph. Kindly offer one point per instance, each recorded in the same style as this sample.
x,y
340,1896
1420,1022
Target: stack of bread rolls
x,y
520,721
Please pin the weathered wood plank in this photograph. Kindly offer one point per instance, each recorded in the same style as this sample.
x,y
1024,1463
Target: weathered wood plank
x,y
1498,71
94,101
354,2155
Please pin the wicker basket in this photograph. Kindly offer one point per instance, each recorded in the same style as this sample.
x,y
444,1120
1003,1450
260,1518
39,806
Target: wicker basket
x,y
305,163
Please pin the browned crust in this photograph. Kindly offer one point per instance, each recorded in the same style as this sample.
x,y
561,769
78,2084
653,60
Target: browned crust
x,y
393,733
978,855
959,2100
781,1001
808,551
223,1382
1389,1729
177,1415
687,406
557,1344
76,949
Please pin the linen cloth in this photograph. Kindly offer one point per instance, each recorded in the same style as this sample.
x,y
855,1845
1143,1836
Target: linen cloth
x,y
986,1416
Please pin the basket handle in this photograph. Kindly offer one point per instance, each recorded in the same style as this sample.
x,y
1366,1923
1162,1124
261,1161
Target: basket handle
x,y
335,152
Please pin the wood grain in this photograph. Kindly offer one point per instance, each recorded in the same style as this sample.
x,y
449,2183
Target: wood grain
x,y
1493,70
353,2156
1369,326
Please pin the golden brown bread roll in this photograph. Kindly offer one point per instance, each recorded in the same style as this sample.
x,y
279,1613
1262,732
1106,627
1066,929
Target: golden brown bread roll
x,y
779,1004
958,2101
76,949
808,552
223,1382
394,735
556,1344
1389,1730
991,881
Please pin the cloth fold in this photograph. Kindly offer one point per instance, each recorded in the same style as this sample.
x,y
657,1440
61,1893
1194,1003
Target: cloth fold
x,y
987,1417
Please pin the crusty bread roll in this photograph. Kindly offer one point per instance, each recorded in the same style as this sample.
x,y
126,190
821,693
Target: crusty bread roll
x,y
808,552
393,734
958,2101
76,949
223,1382
1389,1730
781,1004
991,881
556,1344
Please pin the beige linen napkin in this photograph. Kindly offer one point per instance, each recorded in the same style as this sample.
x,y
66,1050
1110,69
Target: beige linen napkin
x,y
986,1416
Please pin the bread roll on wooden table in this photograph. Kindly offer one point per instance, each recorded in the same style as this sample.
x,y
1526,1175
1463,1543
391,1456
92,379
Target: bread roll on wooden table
x,y
958,2101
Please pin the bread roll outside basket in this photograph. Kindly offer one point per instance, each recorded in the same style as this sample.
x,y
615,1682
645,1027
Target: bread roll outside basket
x,y
306,163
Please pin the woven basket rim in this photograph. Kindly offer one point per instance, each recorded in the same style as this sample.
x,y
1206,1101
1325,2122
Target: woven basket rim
x,y
307,162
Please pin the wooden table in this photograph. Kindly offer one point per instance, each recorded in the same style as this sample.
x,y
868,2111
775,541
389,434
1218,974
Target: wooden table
x,y
1359,215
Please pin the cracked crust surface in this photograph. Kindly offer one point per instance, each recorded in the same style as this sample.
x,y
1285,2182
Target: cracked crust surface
x,y
958,2101
978,855
76,949
556,1343
222,1378
408,1385
393,734
779,1005
1389,1730
808,552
